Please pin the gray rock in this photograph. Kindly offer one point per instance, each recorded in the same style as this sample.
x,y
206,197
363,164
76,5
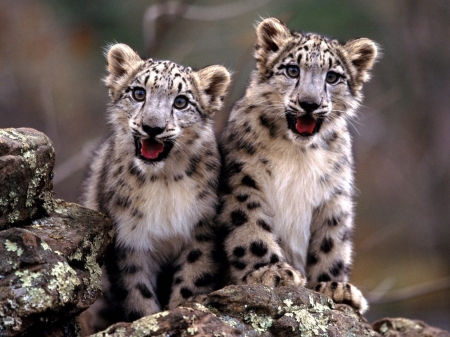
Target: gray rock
x,y
183,321
26,170
50,249
49,268
256,310
403,327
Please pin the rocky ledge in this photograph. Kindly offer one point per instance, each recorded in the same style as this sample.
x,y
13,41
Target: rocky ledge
x,y
50,249
256,310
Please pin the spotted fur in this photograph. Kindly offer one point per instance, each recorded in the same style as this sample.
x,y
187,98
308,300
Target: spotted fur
x,y
156,176
287,178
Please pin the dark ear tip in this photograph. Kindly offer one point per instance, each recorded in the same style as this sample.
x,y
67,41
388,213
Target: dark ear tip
x,y
363,53
271,34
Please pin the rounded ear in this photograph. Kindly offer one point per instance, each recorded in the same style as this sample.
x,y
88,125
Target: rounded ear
x,y
362,54
121,60
213,82
271,34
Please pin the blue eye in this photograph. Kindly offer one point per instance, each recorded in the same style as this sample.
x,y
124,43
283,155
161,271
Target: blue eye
x,y
138,94
180,102
292,71
332,77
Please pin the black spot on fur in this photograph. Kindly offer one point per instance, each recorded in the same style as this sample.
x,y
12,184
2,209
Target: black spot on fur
x,y
202,194
192,166
333,222
137,213
143,289
238,264
178,280
119,170
264,120
324,277
259,265
248,181
194,255
247,147
211,165
235,167
258,248
219,206
186,292
331,138
239,251
327,245
203,237
336,269
312,259
333,285
178,177
242,197
238,218
247,127
136,172
274,258
264,225
123,201
253,205
204,280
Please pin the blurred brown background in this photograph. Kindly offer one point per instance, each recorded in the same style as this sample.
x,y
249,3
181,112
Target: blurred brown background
x,y
51,64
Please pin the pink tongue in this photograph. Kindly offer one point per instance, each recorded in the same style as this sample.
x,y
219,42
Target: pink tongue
x,y
305,124
151,149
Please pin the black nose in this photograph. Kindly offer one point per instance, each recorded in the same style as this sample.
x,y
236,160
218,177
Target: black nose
x,y
152,131
309,106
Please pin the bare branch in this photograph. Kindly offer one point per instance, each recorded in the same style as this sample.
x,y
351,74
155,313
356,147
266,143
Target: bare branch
x,y
193,12
48,107
76,162
408,292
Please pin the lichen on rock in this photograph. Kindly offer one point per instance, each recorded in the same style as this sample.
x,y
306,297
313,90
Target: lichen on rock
x,y
41,281
26,170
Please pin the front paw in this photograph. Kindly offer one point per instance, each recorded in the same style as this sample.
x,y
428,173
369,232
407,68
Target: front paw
x,y
343,292
276,275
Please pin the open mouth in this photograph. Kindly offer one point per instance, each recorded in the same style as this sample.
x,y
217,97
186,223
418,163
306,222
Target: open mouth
x,y
305,126
152,150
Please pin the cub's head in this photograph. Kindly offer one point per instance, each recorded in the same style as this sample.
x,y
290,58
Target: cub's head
x,y
318,80
158,104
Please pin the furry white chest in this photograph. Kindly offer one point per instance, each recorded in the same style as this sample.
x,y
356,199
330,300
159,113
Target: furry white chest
x,y
170,212
294,192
